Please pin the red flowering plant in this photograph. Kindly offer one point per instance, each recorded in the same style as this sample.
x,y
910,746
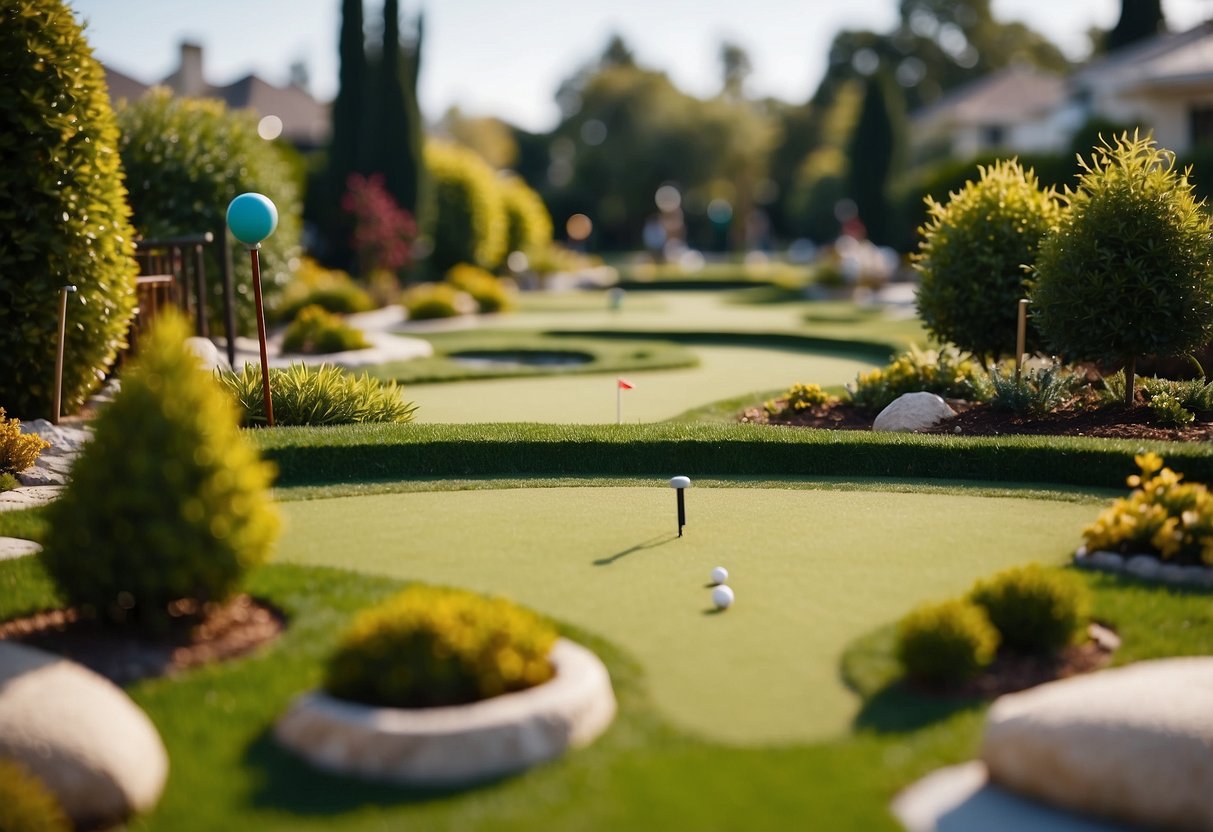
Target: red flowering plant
x,y
383,231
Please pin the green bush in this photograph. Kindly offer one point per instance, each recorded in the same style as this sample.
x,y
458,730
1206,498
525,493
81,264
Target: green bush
x,y
1039,390
18,450
945,644
185,160
1128,271
64,208
317,331
314,285
168,501
1193,394
972,255
323,395
26,804
1169,411
528,223
429,647
8,482
1035,610
490,293
436,300
945,372
799,397
471,224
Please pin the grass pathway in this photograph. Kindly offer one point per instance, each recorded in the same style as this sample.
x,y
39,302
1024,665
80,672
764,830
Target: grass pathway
x,y
813,570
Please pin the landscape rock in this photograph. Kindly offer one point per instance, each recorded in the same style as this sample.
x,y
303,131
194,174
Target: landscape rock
x,y
1109,561
1134,743
16,547
208,355
1143,566
81,735
29,497
913,411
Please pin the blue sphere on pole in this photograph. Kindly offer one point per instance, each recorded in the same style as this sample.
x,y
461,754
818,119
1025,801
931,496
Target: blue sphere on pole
x,y
252,218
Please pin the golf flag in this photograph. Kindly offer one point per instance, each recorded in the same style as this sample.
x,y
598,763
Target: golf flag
x,y
621,385
624,384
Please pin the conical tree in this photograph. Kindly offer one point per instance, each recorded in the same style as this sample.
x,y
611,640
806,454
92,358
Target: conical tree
x,y
873,151
168,506
63,210
1139,19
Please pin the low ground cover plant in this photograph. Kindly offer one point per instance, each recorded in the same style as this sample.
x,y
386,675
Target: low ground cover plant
x,y
1037,390
18,450
26,804
947,372
320,395
799,397
944,644
428,647
317,331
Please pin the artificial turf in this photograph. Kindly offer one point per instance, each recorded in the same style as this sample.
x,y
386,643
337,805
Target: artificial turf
x,y
812,570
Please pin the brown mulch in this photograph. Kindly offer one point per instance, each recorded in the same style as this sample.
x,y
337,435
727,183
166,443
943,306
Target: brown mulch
x,y
124,655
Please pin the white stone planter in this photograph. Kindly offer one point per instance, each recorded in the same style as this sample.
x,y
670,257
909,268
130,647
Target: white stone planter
x,y
458,744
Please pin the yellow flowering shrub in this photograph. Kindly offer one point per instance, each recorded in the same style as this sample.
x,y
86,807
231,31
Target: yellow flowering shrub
x,y
1163,516
799,397
946,372
18,450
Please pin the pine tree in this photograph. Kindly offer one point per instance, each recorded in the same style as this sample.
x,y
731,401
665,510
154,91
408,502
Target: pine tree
x,y
873,151
1139,19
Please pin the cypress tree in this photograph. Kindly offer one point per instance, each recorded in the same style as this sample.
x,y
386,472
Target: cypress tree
x,y
873,151
1139,19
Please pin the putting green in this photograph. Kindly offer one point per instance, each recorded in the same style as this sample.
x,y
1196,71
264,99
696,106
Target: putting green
x,y
812,570
723,372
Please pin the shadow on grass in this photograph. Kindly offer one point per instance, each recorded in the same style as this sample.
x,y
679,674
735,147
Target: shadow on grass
x,y
897,709
651,543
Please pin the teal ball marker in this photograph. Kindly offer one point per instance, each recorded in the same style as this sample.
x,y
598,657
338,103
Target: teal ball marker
x,y
252,218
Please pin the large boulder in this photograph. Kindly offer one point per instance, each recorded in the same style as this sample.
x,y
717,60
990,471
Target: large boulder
x,y
80,735
913,411
1134,744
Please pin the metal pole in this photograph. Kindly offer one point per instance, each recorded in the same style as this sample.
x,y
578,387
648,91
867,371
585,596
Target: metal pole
x,y
58,391
1021,337
265,361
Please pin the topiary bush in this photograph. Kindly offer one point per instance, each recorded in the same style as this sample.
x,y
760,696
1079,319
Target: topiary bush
x,y
470,224
323,395
942,645
528,223
972,256
18,450
65,215
426,301
945,372
428,647
1128,271
314,285
186,159
492,294
26,804
1035,610
317,331
168,503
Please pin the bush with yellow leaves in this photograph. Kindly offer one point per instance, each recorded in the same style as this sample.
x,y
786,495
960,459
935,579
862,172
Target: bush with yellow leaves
x,y
946,372
799,397
18,450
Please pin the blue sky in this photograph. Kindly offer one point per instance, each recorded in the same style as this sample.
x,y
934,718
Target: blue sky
x,y
507,57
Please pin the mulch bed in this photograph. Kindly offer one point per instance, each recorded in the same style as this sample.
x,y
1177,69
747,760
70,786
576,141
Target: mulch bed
x,y
124,655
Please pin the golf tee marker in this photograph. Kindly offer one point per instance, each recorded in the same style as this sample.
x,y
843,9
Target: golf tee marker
x,y
681,484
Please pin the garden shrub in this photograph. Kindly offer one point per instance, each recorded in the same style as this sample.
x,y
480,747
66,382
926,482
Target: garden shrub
x,y
945,372
1169,410
8,482
323,395
972,255
27,804
490,292
429,647
66,218
1191,394
1128,271
18,450
1039,390
314,285
185,160
528,223
436,300
168,502
383,231
1035,610
945,644
799,397
1162,516
471,224
316,331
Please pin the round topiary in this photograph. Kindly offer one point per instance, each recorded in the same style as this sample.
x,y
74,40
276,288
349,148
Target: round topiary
x,y
973,253
1036,610
1129,269
168,501
436,300
66,219
945,644
471,224
317,331
26,804
491,293
529,223
428,647
185,160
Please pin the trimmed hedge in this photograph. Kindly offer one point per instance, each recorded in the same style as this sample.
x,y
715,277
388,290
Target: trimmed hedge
x,y
378,452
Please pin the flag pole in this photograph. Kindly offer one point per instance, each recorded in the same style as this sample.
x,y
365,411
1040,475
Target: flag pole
x,y
618,403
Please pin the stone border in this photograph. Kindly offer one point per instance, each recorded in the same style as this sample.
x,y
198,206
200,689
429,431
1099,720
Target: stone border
x,y
460,744
17,547
1146,568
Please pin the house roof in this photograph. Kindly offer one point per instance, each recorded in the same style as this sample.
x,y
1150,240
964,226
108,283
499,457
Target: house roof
x,y
1009,96
122,86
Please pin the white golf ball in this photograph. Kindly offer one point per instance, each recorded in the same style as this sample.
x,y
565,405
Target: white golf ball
x,y
722,597
720,575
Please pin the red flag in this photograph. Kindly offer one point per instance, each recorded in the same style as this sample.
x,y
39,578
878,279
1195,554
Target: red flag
x,y
625,385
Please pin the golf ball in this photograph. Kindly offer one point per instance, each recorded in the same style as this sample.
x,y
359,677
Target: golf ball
x,y
720,575
722,597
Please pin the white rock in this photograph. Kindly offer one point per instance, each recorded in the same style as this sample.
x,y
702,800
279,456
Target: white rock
x,y
208,355
1143,566
1134,743
16,547
79,734
63,438
457,744
29,497
913,411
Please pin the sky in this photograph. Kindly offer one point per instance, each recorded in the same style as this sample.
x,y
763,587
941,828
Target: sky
x,y
507,57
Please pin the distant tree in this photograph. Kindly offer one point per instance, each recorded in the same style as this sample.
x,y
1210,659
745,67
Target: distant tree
x,y
873,152
490,137
736,66
1139,19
